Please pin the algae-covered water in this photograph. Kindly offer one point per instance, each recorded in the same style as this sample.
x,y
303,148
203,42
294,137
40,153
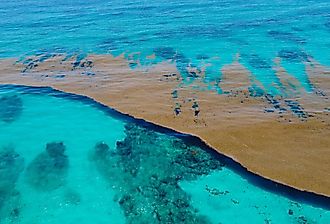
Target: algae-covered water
x,y
67,159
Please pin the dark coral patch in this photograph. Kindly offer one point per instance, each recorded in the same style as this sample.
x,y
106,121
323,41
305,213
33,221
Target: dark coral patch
x,y
148,187
55,149
11,165
48,171
11,107
101,155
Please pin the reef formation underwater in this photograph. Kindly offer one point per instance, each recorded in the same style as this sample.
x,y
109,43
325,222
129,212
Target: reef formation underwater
x,y
148,186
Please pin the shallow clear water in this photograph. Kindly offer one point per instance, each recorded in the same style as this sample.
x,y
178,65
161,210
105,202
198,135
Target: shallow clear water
x,y
100,167
188,32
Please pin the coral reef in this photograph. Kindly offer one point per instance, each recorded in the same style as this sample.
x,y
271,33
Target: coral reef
x,y
147,186
49,169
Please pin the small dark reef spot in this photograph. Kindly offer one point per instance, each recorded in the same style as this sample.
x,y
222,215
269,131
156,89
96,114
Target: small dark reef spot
x,y
48,171
11,165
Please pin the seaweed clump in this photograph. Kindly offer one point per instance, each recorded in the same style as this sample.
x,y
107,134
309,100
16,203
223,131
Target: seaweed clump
x,y
146,167
49,169
11,107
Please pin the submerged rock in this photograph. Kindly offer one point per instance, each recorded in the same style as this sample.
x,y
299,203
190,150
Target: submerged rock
x,y
11,107
103,158
11,165
101,150
55,149
48,171
10,207
146,168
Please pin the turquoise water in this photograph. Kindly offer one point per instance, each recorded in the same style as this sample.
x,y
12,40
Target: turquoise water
x,y
67,159
188,32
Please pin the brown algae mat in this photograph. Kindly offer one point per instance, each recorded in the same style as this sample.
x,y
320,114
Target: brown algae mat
x,y
285,138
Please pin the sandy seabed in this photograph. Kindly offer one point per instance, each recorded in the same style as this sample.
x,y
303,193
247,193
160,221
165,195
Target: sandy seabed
x,y
274,143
